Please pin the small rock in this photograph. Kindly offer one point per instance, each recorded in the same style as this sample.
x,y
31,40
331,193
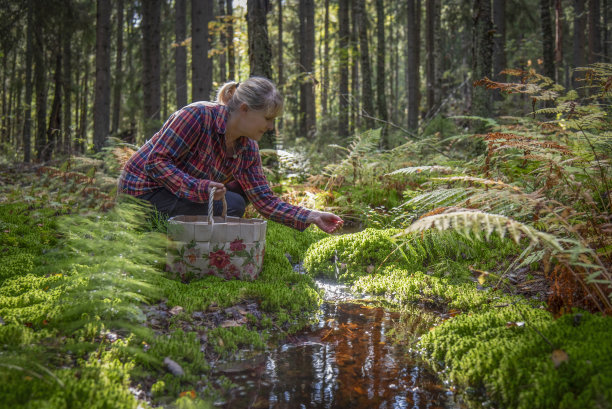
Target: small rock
x,y
173,367
176,310
198,315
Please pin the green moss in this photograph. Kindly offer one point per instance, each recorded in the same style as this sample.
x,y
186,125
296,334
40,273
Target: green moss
x,y
227,340
102,381
513,362
351,255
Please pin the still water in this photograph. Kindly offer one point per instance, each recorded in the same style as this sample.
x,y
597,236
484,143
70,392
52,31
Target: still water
x,y
344,361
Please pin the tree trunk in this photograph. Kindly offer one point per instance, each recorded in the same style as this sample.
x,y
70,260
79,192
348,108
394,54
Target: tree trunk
x,y
82,141
579,44
355,99
366,70
430,61
118,71
594,32
499,40
180,52
67,82
4,137
381,84
547,39
558,41
438,46
40,84
325,61
307,56
412,65
343,64
482,55
27,115
223,42
607,47
151,64
55,117
281,74
201,64
260,55
231,59
102,96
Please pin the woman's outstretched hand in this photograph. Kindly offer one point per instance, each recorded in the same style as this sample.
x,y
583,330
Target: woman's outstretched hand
x,y
328,222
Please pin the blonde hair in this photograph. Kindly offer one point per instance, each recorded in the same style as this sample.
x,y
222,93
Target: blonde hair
x,y
258,93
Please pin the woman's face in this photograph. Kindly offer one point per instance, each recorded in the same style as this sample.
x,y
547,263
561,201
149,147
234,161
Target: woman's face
x,y
254,123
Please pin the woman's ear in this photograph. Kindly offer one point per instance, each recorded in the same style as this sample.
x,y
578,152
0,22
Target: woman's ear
x,y
244,107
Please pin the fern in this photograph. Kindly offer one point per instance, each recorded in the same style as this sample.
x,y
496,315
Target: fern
x,y
421,169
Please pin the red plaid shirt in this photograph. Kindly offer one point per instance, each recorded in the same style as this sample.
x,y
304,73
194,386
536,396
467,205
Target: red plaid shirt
x,y
189,151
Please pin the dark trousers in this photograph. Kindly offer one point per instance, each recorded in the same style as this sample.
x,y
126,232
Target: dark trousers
x,y
166,202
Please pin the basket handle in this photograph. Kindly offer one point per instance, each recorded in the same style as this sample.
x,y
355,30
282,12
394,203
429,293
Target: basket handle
x,y
210,205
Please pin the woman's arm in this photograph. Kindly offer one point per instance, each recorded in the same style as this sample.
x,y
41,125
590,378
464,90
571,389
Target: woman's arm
x,y
171,144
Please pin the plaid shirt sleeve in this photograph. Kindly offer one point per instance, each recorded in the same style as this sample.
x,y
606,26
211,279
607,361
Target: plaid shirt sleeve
x,y
257,189
177,137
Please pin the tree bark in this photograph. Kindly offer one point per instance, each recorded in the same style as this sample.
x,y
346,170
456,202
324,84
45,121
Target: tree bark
x,y
118,71
201,64
412,65
307,56
82,141
260,54
180,52
558,41
67,80
55,116
547,39
430,60
381,84
579,43
281,74
499,39
40,84
355,99
366,70
482,55
27,115
223,41
343,64
324,88
231,58
594,31
102,95
151,65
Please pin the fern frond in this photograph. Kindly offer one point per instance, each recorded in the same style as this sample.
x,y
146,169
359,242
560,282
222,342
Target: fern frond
x,y
468,221
439,197
420,169
472,179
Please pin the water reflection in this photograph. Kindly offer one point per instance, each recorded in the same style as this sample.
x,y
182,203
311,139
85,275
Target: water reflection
x,y
344,361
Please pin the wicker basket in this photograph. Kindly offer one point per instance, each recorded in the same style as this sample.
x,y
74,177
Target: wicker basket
x,y
228,247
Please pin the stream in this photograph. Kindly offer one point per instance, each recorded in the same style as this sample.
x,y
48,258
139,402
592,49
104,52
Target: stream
x,y
345,360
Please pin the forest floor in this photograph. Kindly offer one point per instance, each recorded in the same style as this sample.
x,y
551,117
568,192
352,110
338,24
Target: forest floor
x,y
88,318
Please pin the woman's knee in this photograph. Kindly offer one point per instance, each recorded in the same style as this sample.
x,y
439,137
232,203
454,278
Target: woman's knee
x,y
235,204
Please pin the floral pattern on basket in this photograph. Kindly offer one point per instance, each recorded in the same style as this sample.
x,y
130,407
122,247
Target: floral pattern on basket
x,y
234,260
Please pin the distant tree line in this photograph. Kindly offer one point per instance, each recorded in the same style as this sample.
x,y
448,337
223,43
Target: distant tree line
x,y
75,72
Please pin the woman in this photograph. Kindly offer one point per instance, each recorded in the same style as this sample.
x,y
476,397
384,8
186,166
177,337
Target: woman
x,y
207,145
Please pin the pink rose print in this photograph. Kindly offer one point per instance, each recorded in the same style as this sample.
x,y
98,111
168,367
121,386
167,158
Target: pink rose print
x,y
237,245
179,267
219,258
191,255
249,270
231,271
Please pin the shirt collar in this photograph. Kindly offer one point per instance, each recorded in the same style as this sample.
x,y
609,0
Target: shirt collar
x,y
220,125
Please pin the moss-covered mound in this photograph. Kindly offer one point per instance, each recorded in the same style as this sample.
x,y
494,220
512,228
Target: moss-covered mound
x,y
350,256
521,357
